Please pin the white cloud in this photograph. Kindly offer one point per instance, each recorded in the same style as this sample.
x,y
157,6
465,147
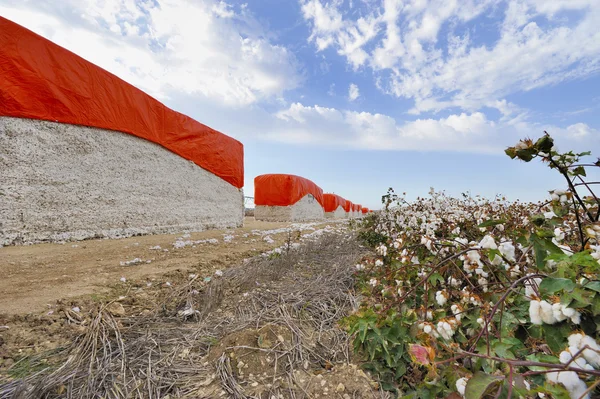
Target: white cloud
x,y
464,132
536,45
353,92
206,48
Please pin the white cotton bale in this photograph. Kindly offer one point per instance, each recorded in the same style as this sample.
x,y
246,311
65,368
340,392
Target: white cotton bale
x,y
62,182
307,209
339,213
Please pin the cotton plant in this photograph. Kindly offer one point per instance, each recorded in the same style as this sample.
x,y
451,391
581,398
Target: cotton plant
x,y
471,280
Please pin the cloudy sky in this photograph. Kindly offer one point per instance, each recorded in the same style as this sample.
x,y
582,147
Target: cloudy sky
x,y
357,95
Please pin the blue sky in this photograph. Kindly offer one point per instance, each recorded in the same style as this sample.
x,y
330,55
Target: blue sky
x,y
358,95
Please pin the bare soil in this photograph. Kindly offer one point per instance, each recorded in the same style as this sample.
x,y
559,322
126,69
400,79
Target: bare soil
x,y
35,276
266,327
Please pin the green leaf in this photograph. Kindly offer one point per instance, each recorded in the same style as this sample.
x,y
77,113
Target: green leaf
x,y
579,171
502,349
551,285
491,222
526,154
512,153
541,358
593,285
584,259
583,297
479,384
596,306
435,278
556,336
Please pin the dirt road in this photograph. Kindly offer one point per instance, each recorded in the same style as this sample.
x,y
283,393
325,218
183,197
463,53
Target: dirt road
x,y
37,275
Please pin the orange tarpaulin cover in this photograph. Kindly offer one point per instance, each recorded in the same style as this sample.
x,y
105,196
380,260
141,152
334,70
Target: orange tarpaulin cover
x,y
349,206
284,190
332,202
41,80
365,210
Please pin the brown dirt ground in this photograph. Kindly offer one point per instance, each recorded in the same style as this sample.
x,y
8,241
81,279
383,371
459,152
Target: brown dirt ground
x,y
35,276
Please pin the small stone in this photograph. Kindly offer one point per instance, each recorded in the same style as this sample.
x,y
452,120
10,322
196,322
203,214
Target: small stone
x,y
254,384
323,382
116,309
340,388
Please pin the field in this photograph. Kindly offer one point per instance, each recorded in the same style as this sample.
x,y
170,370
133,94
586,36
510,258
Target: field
x,y
218,314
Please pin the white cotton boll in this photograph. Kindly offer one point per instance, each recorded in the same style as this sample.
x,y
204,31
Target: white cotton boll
x,y
546,313
429,315
555,197
549,215
557,312
507,249
360,267
427,329
573,384
575,340
576,318
552,377
378,263
534,312
482,281
569,312
563,199
461,385
453,282
480,321
440,298
373,282
580,361
565,357
590,355
488,242
559,234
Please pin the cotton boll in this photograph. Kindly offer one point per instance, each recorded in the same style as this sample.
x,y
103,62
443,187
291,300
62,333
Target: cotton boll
x,y
488,242
461,385
453,282
575,340
441,298
546,313
573,384
529,287
565,357
580,361
507,249
559,234
534,312
590,355
576,318
557,312
427,329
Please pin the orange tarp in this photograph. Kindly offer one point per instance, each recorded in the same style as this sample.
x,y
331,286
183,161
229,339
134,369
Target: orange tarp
x,y
349,206
41,80
284,190
332,202
365,210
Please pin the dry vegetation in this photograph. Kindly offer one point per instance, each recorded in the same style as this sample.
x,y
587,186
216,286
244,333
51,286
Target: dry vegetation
x,y
266,328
